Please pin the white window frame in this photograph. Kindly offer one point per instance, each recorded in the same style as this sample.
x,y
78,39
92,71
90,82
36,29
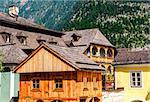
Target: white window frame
x,y
136,79
35,83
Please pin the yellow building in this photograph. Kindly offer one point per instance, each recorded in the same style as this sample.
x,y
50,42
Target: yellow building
x,y
132,73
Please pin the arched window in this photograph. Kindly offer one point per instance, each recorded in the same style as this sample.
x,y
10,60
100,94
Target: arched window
x,y
109,53
94,51
102,52
88,52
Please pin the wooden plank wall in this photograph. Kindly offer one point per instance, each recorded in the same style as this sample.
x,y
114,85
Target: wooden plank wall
x,y
73,87
43,61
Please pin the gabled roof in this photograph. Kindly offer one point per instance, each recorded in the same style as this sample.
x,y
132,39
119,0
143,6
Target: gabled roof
x,y
130,56
87,36
76,58
12,54
73,58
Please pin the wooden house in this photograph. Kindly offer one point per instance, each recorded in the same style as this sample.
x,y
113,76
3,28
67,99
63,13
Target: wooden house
x,y
59,74
18,38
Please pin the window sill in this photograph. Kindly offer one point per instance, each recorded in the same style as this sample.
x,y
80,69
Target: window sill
x,y
35,90
58,90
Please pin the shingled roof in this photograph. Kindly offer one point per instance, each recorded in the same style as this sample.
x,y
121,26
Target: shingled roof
x,y
27,25
76,58
12,54
31,37
129,56
87,36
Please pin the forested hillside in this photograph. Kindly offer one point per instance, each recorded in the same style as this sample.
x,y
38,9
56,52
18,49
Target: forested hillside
x,y
125,24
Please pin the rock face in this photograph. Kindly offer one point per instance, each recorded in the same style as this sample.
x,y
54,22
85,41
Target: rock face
x,y
113,96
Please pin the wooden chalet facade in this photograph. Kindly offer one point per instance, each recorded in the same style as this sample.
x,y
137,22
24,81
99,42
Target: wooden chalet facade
x,y
59,74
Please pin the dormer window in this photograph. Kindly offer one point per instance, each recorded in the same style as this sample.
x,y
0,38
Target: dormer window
x,y
40,40
6,37
52,41
22,38
75,37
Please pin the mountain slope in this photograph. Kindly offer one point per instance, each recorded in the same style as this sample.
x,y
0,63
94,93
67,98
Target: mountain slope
x,y
125,24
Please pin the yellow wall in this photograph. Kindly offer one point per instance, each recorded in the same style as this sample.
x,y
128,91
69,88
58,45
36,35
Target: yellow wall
x,y
122,79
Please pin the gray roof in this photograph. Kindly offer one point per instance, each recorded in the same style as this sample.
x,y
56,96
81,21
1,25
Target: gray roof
x,y
87,36
76,58
12,54
132,56
31,37
24,24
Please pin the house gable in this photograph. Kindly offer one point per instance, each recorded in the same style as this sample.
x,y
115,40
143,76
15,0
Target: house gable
x,y
44,60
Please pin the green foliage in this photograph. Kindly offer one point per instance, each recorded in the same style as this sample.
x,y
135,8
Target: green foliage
x,y
1,61
124,23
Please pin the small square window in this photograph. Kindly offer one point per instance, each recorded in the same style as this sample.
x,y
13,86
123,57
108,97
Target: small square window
x,y
58,83
36,83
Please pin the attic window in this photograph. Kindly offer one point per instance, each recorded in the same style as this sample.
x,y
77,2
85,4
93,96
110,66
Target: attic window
x,y
52,41
75,37
40,40
6,37
22,40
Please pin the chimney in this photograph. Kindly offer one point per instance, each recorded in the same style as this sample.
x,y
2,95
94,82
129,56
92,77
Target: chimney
x,y
13,11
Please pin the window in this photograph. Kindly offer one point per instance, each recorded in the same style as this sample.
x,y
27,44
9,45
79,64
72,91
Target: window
x,y
94,82
109,70
136,79
76,37
88,52
6,37
58,84
109,53
85,82
102,52
94,51
22,40
36,83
